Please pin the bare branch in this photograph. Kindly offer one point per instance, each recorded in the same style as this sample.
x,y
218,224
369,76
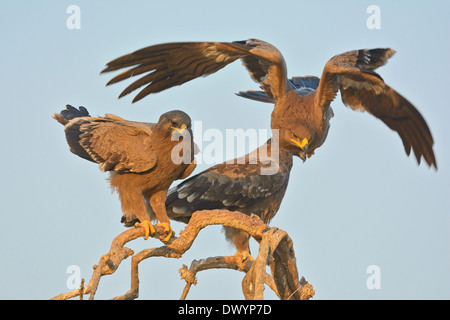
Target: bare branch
x,y
276,250
204,264
222,262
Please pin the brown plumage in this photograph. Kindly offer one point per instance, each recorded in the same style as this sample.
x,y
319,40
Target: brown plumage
x,y
252,184
352,73
138,156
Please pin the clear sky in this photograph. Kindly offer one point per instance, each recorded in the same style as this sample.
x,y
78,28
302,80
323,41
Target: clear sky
x,y
359,202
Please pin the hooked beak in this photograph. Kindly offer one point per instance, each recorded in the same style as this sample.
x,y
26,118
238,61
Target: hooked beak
x,y
304,146
180,129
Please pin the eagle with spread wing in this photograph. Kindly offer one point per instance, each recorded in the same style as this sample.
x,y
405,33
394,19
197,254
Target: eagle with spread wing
x,y
351,73
143,158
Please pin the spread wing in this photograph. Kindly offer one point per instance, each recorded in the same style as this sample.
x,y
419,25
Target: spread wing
x,y
361,88
112,142
235,187
172,64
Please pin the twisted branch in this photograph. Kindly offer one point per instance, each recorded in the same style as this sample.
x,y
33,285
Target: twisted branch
x,y
276,250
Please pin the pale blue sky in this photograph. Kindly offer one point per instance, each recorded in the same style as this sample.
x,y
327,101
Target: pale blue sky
x,y
359,201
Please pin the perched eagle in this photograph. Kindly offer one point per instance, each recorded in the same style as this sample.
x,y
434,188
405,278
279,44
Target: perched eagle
x,y
143,158
252,184
352,73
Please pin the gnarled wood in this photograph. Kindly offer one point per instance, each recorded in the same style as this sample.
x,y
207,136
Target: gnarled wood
x,y
276,250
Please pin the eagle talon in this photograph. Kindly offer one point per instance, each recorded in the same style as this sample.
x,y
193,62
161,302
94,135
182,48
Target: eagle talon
x,y
167,228
242,257
148,227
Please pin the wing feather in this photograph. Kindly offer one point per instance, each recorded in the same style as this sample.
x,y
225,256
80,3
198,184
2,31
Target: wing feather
x,y
352,73
114,143
172,64
235,187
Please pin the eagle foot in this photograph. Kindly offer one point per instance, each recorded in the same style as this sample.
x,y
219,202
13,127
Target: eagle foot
x,y
167,229
148,227
242,257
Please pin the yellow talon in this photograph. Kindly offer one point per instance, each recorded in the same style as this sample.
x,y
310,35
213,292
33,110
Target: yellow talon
x,y
148,227
241,258
167,228
244,255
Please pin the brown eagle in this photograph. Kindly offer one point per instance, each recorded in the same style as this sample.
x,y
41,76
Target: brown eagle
x,y
143,158
252,184
352,73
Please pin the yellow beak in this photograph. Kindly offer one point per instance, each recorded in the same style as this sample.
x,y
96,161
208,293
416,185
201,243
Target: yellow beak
x,y
304,146
301,144
180,129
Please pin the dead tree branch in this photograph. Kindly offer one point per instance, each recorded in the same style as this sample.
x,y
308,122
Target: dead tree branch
x,y
222,262
276,250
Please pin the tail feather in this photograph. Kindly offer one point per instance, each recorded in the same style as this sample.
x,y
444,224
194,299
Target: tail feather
x,y
305,83
302,85
260,96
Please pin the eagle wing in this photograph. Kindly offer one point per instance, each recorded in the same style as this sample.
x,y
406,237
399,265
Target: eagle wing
x,y
114,143
234,187
352,73
171,64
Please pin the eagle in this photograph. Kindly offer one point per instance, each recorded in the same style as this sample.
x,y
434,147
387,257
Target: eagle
x,y
351,73
252,184
143,159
